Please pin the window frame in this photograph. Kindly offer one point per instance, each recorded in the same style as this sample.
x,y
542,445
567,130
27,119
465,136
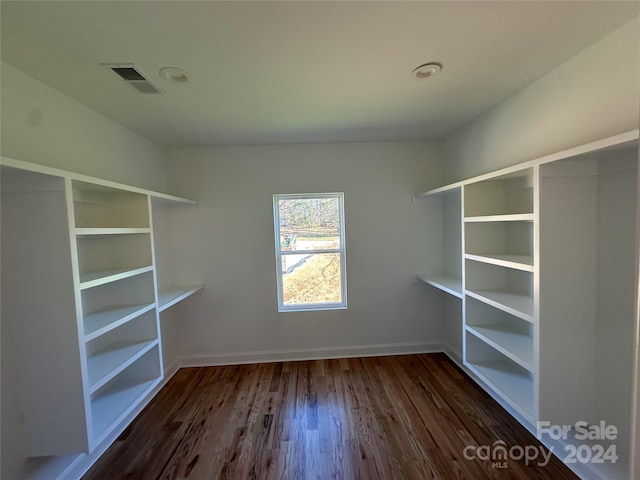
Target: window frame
x,y
279,253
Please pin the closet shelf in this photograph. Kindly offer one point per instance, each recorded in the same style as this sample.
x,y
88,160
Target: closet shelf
x,y
105,364
510,382
518,262
442,281
508,341
518,305
93,279
116,401
102,321
169,297
515,217
110,231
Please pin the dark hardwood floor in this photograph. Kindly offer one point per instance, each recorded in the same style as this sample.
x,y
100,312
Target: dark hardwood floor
x,y
401,417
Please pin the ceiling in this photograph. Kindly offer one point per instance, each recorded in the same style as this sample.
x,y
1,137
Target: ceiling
x,y
291,72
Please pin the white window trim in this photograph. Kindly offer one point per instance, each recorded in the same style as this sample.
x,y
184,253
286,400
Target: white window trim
x,y
279,254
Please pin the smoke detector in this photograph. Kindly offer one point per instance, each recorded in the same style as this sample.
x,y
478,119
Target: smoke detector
x,y
134,77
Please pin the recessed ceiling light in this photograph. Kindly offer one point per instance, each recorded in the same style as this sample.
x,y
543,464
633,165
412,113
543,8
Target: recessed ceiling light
x,y
174,75
427,70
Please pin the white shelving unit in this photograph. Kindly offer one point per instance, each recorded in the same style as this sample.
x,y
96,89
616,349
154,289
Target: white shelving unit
x,y
446,283
106,364
101,277
174,285
102,321
508,334
503,197
514,384
175,271
509,341
514,217
516,304
109,259
505,241
443,268
110,231
549,249
118,397
499,218
80,295
518,262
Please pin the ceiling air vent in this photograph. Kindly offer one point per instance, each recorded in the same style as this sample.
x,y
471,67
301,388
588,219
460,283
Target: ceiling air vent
x,y
134,77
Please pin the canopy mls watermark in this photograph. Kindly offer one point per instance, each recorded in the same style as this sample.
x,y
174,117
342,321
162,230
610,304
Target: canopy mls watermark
x,y
583,443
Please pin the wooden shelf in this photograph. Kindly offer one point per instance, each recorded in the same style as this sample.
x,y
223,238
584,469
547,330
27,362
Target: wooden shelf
x,y
516,217
444,282
510,382
116,401
104,365
520,306
518,262
508,341
93,279
103,321
171,296
110,231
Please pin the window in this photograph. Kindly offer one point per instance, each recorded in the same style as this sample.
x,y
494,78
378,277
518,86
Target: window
x,y
310,251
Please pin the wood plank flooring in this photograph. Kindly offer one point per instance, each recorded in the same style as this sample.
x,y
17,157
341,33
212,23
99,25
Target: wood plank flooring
x,y
401,417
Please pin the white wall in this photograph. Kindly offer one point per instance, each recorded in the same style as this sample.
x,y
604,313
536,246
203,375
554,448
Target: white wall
x,y
593,95
41,125
228,243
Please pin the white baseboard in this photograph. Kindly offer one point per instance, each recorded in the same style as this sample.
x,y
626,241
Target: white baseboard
x,y
310,354
171,370
454,355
